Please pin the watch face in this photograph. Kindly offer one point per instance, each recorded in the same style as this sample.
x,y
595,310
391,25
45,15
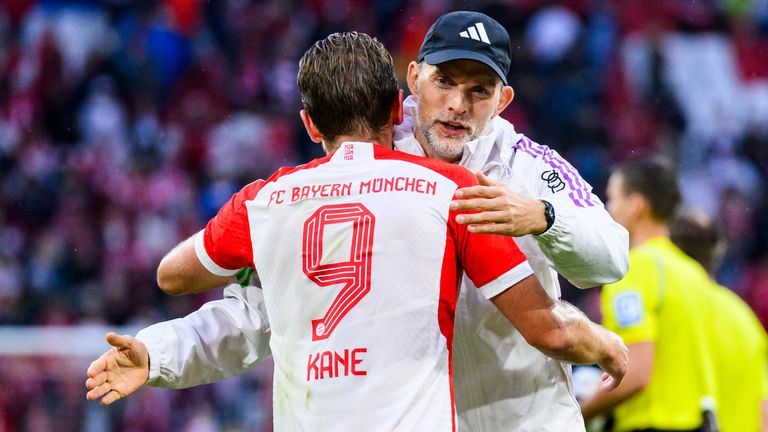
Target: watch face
x,y
549,214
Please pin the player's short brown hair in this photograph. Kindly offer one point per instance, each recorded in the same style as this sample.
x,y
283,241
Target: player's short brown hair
x,y
348,84
697,234
656,180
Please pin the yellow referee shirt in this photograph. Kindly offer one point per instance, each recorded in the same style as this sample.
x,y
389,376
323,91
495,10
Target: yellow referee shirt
x,y
740,362
664,298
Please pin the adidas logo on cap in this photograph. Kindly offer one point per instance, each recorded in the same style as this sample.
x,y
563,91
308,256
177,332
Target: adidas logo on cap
x,y
476,32
449,39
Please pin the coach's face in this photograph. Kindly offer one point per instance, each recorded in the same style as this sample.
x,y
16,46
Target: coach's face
x,y
455,102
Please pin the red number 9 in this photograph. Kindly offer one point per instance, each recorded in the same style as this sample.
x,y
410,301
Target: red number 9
x,y
355,273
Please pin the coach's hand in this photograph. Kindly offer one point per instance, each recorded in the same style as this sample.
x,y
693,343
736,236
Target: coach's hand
x,y
118,372
501,211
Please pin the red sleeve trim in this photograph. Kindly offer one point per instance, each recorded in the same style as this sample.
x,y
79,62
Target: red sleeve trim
x,y
225,246
206,260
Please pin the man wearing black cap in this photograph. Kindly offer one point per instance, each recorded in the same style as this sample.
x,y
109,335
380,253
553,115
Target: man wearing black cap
x,y
459,87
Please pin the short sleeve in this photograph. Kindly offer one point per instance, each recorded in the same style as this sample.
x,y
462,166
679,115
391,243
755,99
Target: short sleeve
x,y
224,246
629,306
493,262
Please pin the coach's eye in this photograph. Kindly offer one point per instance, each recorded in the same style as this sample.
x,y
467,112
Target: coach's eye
x,y
481,91
443,81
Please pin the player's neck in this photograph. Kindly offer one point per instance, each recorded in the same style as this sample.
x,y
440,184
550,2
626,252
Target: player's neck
x,y
383,137
645,230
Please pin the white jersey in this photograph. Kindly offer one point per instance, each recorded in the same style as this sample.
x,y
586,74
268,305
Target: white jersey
x,y
502,382
360,259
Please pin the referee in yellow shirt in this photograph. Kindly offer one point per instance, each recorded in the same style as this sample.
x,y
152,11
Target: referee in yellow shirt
x,y
740,342
657,309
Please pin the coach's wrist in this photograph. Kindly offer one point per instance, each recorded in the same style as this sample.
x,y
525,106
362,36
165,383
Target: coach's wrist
x,y
542,221
549,215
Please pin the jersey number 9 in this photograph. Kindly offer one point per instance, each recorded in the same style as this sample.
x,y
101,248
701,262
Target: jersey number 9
x,y
355,273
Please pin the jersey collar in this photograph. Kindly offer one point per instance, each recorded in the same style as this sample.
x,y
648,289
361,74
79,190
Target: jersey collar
x,y
354,150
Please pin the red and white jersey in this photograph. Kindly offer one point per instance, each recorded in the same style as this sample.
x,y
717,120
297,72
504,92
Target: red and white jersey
x,y
360,260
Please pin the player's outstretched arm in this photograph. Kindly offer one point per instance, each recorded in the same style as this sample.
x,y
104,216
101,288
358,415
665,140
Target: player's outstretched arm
x,y
561,331
221,339
118,372
181,272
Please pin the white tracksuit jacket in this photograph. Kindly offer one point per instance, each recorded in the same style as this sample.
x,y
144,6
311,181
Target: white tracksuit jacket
x,y
501,383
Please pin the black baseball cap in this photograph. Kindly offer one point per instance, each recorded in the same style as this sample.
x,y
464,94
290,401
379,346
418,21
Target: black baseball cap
x,y
468,36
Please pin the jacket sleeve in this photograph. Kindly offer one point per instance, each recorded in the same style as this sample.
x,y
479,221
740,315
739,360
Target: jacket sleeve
x,y
585,245
221,339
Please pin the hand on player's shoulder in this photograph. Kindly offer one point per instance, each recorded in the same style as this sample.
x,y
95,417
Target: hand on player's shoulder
x,y
498,209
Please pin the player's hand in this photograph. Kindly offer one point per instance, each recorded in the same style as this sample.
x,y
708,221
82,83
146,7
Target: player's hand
x,y
614,362
118,372
501,211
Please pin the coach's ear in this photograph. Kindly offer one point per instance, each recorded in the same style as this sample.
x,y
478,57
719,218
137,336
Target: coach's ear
x,y
413,78
309,125
507,94
396,116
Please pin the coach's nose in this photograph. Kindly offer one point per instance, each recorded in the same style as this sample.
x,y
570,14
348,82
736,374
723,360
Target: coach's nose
x,y
458,103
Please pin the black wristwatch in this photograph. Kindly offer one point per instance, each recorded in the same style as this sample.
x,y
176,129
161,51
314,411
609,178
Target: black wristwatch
x,y
549,215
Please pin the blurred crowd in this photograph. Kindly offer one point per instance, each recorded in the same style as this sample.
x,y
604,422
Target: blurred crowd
x,y
125,124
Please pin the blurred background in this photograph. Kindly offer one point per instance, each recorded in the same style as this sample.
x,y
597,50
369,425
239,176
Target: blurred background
x,y
125,124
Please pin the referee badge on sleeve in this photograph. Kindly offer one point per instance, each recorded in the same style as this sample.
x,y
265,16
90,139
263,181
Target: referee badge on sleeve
x,y
629,308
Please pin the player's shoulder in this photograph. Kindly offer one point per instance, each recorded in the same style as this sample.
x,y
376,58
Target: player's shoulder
x,y
252,189
730,301
642,257
288,170
454,172
728,305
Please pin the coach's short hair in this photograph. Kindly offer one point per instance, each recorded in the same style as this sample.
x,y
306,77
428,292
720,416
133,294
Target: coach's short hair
x,y
656,180
697,234
348,84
